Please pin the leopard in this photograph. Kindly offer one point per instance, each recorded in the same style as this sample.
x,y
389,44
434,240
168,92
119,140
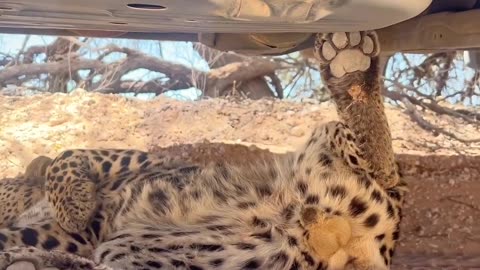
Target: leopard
x,y
335,203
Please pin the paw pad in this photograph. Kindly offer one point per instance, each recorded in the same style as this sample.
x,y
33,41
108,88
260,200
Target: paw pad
x,y
346,52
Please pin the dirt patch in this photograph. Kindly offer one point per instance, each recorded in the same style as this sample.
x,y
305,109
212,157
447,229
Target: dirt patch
x,y
440,230
50,123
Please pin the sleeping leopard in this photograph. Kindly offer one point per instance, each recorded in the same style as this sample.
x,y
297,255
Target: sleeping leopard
x,y
333,204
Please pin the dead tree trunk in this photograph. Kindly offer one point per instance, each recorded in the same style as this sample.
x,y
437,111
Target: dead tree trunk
x,y
254,88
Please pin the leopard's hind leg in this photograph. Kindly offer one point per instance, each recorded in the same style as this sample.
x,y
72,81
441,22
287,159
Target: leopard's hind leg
x,y
349,63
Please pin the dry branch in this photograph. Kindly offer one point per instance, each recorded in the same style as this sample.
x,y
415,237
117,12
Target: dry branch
x,y
424,124
468,116
254,88
214,82
48,68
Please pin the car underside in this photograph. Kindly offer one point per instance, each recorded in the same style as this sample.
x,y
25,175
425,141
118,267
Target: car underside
x,y
265,27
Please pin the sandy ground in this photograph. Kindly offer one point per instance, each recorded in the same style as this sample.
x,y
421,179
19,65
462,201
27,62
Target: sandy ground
x,y
441,228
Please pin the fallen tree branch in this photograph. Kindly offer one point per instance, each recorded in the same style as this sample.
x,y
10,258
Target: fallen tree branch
x,y
156,87
416,117
254,88
217,80
471,117
49,68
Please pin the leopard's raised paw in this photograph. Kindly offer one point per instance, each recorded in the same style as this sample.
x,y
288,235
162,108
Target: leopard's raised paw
x,y
345,53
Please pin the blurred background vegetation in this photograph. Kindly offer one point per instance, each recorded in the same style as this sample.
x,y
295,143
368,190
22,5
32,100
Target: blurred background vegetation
x,y
440,83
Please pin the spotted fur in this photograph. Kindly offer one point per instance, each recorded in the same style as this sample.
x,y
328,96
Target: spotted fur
x,y
127,209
